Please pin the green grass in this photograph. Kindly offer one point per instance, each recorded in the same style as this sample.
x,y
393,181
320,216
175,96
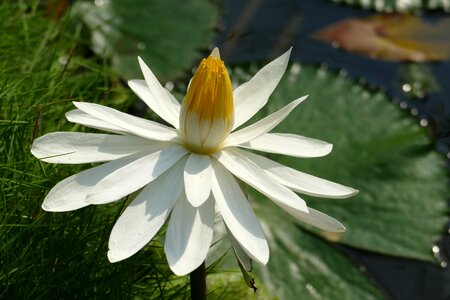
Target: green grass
x,y
58,255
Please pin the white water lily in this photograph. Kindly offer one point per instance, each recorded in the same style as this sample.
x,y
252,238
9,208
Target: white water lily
x,y
188,170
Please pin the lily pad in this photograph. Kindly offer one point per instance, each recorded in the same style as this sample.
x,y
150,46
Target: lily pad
x,y
395,37
302,264
379,150
168,35
399,5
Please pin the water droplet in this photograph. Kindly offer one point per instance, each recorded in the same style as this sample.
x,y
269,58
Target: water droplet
x,y
140,46
424,122
365,3
365,95
414,111
444,264
169,85
295,69
420,94
321,73
63,60
435,249
406,87
343,73
379,4
100,2
403,105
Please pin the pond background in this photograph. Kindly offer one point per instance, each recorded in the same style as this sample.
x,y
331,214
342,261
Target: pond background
x,y
262,29
48,61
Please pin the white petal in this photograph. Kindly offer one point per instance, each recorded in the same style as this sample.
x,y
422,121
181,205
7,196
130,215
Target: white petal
x,y
197,179
252,174
70,193
262,126
134,175
143,218
80,117
135,125
289,144
299,181
158,98
189,235
315,218
251,96
79,147
240,253
238,215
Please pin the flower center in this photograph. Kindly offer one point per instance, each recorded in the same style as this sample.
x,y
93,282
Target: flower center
x,y
207,110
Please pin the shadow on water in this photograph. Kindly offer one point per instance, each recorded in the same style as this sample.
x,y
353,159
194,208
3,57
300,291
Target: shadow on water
x,y
262,29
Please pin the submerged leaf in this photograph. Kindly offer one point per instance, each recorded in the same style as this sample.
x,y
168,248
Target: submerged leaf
x,y
396,37
166,34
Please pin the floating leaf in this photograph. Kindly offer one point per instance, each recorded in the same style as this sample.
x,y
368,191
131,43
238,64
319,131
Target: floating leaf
x,y
302,264
397,37
399,5
378,149
166,34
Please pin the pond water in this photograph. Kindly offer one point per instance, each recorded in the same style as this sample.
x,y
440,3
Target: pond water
x,y
260,30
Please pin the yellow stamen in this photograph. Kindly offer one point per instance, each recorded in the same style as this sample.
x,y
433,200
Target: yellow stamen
x,y
207,111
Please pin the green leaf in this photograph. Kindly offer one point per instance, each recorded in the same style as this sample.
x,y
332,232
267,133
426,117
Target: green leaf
x,y
302,264
166,34
379,150
399,5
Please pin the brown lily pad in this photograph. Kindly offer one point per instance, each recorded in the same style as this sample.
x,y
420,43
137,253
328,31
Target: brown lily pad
x,y
394,37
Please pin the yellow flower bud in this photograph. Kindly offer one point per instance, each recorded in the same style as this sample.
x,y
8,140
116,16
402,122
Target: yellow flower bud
x,y
207,110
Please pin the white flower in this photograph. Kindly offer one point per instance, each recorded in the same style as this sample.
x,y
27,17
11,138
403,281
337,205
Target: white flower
x,y
188,170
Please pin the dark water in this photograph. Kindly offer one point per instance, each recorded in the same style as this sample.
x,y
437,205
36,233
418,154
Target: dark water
x,y
262,29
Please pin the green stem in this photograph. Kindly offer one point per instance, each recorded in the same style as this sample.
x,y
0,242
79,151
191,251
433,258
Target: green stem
x,y
198,283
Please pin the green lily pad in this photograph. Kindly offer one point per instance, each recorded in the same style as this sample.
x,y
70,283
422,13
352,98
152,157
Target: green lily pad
x,y
302,264
380,150
166,34
399,5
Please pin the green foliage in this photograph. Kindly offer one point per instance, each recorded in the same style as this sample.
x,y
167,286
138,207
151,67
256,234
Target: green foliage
x,y
399,5
44,65
166,34
58,255
378,149
302,264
